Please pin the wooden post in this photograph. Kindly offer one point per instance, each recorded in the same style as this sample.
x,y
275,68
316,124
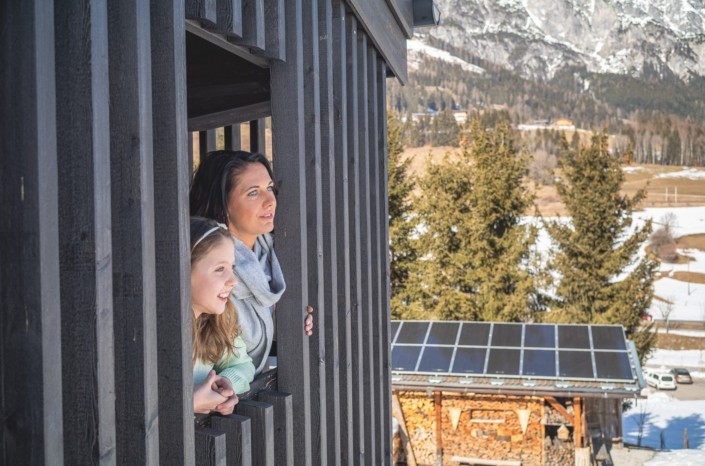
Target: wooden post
x,y
238,435
85,251
577,422
290,158
231,136
30,327
331,341
262,417
439,429
283,425
210,447
341,246
257,143
356,277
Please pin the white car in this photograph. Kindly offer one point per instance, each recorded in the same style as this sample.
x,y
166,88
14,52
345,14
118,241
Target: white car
x,y
661,381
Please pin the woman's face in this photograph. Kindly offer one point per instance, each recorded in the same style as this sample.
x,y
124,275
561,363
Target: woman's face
x,y
252,204
212,279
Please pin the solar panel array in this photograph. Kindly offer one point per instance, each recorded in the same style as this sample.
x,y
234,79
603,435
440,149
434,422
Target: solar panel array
x,y
547,351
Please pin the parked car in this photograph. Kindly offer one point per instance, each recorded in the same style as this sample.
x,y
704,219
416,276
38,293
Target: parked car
x,y
661,381
681,375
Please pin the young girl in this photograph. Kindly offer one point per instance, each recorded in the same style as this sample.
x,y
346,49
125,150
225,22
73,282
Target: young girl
x,y
222,367
237,188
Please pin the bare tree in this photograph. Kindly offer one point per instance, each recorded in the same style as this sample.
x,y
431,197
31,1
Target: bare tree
x,y
641,422
665,309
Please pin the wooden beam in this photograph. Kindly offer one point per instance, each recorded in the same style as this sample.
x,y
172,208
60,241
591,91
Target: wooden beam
x,y
85,250
398,414
172,174
367,305
283,425
232,137
133,265
274,30
195,28
403,11
261,415
559,407
341,246
257,141
230,116
289,157
229,17
384,32
331,342
356,314
314,219
211,448
238,436
385,311
437,400
578,424
30,326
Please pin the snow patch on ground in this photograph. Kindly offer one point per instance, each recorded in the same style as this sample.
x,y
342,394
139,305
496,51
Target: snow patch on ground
x,y
417,49
689,173
662,413
678,358
678,457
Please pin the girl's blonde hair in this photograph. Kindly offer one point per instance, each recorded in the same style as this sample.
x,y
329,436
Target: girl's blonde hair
x,y
213,334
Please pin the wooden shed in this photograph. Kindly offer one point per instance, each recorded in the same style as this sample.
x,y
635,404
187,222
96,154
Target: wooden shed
x,y
510,393
99,103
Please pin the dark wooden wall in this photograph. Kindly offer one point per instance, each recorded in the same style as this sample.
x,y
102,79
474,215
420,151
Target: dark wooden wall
x,y
95,338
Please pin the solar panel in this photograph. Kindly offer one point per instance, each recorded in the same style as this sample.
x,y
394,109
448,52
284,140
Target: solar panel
x,y
613,365
404,358
573,336
580,352
469,361
504,361
474,334
539,363
443,333
395,327
506,335
435,359
608,337
576,364
413,332
540,336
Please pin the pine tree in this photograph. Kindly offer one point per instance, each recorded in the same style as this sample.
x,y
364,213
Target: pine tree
x,y
600,279
401,222
473,246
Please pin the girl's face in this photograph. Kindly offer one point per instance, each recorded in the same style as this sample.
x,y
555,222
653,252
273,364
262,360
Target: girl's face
x,y
212,279
251,204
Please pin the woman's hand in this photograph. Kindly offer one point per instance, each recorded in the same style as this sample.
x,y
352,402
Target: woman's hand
x,y
308,322
206,398
225,388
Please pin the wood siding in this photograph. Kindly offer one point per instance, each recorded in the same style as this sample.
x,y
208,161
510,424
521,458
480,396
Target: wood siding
x,y
94,250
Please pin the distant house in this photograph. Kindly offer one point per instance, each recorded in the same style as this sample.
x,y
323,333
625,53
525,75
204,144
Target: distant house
x,y
460,117
524,394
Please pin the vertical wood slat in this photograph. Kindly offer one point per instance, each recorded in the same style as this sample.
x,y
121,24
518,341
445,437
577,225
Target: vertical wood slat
x,y
384,222
262,423
210,447
204,11
84,232
376,248
366,307
238,438
253,28
358,363
190,153
289,158
206,142
231,135
257,141
274,37
329,234
341,267
132,196
314,218
172,173
283,425
229,17
30,337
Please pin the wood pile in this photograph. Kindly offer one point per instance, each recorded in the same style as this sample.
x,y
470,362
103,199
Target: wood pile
x,y
488,427
558,452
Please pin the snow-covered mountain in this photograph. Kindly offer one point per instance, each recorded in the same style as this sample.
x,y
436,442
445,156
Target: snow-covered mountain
x,y
537,38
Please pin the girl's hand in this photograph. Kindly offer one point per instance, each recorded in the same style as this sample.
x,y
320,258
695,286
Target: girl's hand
x,y
308,322
225,388
205,398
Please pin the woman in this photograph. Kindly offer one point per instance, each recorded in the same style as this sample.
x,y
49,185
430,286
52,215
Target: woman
x,y
237,188
221,365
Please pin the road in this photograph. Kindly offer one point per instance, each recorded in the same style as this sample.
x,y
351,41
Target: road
x,y
684,392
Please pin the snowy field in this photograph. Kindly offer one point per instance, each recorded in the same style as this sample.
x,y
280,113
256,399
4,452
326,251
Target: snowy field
x,y
663,413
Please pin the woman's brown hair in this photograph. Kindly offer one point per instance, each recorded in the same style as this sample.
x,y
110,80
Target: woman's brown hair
x,y
213,335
